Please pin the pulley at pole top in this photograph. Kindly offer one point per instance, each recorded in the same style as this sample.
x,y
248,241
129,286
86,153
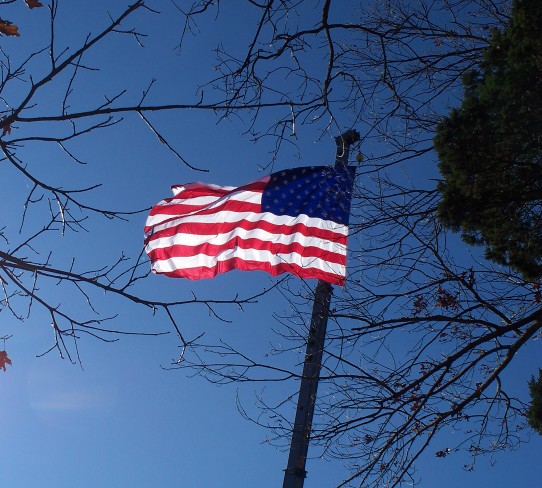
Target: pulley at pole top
x,y
344,141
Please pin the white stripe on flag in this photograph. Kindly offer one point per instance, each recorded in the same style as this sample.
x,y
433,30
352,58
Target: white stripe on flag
x,y
231,217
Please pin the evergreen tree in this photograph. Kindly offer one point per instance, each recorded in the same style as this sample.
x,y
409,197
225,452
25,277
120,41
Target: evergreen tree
x,y
490,149
534,414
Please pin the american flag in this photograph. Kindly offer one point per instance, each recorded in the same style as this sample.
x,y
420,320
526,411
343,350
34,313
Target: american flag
x,y
292,221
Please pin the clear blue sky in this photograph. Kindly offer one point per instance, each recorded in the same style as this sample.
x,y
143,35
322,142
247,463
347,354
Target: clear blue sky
x,y
123,420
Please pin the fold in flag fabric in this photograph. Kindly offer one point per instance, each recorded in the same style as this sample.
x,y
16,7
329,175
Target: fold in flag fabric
x,y
293,221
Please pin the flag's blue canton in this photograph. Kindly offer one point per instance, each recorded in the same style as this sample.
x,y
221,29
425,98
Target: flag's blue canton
x,y
323,192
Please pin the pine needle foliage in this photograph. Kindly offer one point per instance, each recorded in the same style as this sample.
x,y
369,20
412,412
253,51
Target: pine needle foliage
x,y
534,414
490,148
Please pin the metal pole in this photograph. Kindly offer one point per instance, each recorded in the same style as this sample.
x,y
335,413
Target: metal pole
x,y
295,473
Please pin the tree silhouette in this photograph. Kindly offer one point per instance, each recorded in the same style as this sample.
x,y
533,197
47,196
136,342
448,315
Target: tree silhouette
x,y
423,335
490,149
535,409
52,104
421,338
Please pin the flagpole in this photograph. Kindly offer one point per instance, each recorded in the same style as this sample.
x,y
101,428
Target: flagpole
x,y
295,473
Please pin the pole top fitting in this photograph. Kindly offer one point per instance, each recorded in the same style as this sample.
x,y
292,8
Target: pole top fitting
x,y
344,141
347,138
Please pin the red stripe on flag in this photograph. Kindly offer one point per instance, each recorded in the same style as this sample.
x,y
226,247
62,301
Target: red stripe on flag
x,y
198,189
180,210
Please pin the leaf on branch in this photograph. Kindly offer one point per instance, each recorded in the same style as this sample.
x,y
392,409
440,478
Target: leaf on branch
x,y
8,29
446,299
537,293
419,305
6,129
33,3
4,360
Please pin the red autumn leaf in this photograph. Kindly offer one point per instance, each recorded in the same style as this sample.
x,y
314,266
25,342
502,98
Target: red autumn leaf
x,y
4,360
6,129
33,3
8,29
